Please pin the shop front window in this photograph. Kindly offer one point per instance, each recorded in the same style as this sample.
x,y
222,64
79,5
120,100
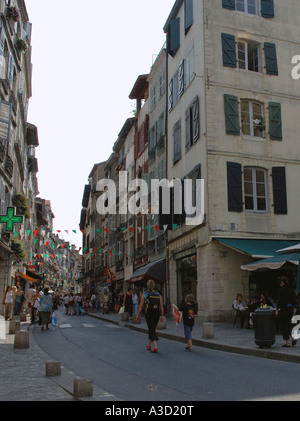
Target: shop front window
x,y
187,277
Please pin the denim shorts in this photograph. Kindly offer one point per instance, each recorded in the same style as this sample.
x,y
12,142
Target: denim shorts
x,y
188,332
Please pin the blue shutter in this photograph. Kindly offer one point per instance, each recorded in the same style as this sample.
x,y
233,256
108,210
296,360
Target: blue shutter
x,y
234,187
228,4
232,119
174,37
267,8
189,14
229,50
279,190
275,121
271,58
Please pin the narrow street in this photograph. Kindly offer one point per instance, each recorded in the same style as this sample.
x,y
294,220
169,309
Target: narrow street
x,y
118,362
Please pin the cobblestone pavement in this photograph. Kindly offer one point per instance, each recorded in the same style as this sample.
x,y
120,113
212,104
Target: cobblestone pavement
x,y
23,370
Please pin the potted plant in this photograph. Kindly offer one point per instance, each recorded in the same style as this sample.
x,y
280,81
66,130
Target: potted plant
x,y
18,249
21,45
13,14
21,202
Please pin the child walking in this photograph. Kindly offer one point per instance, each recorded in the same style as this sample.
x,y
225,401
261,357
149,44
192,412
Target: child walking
x,y
188,313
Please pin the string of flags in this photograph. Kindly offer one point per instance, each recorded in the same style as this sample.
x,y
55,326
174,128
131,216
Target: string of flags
x,y
34,233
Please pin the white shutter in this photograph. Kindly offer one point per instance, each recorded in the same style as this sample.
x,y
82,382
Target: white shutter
x,y
181,78
2,198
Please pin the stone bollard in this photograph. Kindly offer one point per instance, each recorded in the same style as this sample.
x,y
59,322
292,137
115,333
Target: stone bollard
x,y
208,331
163,324
23,317
82,388
53,369
134,319
124,317
21,339
14,326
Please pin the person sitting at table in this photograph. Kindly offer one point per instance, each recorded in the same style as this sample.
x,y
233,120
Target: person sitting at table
x,y
240,306
265,301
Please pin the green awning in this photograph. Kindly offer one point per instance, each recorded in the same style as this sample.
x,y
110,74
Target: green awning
x,y
256,248
273,263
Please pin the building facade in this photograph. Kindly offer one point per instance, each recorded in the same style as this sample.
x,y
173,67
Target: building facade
x,y
232,101
217,114
18,139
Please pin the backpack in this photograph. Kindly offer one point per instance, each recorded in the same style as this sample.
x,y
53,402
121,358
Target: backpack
x,y
152,301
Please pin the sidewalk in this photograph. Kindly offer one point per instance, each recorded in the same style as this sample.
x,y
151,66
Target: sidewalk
x,y
23,370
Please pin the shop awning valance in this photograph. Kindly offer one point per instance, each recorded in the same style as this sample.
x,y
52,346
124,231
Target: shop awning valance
x,y
273,263
27,278
256,248
154,270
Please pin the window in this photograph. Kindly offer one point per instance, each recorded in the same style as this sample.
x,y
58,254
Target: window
x,y
255,188
247,6
252,119
174,37
189,14
177,142
192,132
162,83
153,98
189,68
5,121
2,198
249,56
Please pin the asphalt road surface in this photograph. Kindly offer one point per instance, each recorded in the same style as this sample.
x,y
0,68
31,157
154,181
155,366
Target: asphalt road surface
x,y
116,359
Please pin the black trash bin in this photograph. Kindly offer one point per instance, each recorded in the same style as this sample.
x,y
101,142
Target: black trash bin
x,y
264,327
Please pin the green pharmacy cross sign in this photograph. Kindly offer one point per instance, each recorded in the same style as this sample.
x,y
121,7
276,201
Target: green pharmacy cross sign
x,y
10,219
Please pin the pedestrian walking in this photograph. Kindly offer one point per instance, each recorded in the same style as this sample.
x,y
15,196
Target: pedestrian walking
x,y
46,308
153,312
18,301
30,297
8,303
135,302
286,308
79,305
188,314
128,302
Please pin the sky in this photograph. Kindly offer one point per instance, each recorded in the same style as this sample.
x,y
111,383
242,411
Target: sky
x,y
86,58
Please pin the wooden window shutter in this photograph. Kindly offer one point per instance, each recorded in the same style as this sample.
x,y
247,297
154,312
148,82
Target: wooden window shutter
x,y
177,141
279,190
232,119
267,8
228,4
275,121
181,78
271,58
5,122
229,50
165,219
234,187
174,37
188,129
189,14
196,118
171,95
